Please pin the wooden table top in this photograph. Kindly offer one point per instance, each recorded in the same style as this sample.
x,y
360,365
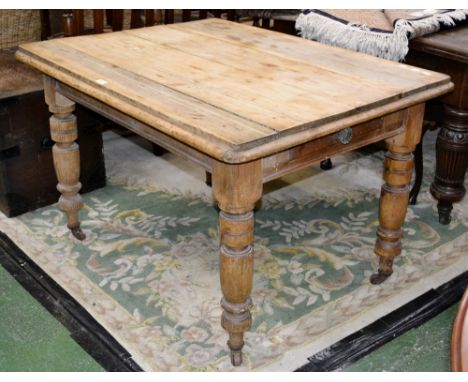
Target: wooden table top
x,y
232,91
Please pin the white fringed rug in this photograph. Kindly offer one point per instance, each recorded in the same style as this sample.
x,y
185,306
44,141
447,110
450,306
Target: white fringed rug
x,y
379,32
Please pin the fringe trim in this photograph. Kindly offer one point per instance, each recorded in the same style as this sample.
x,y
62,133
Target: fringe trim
x,y
360,38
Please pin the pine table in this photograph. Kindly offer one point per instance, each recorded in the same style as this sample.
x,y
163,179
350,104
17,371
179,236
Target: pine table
x,y
247,104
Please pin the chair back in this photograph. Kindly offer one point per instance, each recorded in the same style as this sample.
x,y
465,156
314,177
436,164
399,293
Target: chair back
x,y
88,21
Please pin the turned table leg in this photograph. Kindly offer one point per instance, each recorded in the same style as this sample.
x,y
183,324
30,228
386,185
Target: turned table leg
x,y
451,161
395,192
236,188
66,154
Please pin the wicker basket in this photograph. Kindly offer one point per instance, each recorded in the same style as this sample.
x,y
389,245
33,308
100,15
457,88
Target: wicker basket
x,y
18,26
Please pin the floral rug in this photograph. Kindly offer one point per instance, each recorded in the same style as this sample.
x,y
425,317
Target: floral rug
x,y
148,270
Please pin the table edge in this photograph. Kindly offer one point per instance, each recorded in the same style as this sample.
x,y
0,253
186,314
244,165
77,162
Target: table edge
x,y
228,152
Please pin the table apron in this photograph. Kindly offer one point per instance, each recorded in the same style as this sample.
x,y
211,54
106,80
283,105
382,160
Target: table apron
x,y
273,166
140,128
302,156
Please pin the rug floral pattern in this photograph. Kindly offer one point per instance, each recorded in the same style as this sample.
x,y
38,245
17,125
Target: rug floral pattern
x,y
153,252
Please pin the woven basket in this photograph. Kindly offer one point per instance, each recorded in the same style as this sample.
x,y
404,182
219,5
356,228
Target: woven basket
x,y
18,26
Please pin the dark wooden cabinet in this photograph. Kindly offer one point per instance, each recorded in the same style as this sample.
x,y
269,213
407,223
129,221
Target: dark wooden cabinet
x,y
447,52
27,179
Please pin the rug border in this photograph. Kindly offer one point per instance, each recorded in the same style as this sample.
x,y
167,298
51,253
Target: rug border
x,y
299,356
88,333
83,328
415,313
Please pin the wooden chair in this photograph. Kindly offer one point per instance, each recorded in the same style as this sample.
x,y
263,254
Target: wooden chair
x,y
280,20
110,20
114,19
187,14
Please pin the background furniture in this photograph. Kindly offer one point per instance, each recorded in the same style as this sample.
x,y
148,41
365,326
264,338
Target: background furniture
x,y
92,21
187,14
447,52
27,181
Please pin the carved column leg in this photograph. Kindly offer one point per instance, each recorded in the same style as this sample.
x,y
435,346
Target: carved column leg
x,y
395,192
236,188
66,155
451,161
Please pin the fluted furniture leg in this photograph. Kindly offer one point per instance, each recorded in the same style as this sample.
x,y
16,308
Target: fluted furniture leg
x,y
451,161
395,192
236,188
447,52
66,154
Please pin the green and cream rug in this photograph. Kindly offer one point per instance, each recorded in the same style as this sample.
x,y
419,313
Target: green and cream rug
x,y
148,270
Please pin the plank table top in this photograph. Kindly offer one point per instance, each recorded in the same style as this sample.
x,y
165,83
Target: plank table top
x,y
234,92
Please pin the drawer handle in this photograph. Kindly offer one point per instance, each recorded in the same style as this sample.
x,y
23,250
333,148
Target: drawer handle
x,y
345,136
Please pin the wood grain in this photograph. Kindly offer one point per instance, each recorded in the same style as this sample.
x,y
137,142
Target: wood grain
x,y
243,93
451,44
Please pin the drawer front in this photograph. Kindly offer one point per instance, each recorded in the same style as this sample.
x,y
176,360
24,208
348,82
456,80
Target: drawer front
x,y
322,148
